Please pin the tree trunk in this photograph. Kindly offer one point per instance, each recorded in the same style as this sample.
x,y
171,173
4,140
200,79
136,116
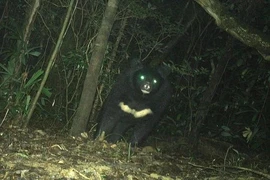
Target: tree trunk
x,y
109,66
241,31
91,81
208,96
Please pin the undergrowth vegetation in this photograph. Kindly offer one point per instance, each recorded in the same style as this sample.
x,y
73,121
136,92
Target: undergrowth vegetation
x,y
239,106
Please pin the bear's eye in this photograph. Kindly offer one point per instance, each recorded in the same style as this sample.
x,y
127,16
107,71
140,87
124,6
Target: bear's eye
x,y
142,77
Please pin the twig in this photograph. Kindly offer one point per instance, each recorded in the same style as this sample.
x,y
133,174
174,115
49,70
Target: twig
x,y
248,170
204,167
96,174
4,117
226,155
233,167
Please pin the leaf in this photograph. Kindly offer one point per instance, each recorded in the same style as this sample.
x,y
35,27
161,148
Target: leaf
x,y
239,62
226,134
46,92
244,72
5,69
28,98
247,134
34,78
35,53
254,117
225,128
43,102
11,66
178,117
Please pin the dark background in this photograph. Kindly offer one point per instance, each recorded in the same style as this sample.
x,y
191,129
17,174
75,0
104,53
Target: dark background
x,y
178,33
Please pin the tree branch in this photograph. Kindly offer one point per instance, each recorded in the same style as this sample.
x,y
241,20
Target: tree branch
x,y
240,30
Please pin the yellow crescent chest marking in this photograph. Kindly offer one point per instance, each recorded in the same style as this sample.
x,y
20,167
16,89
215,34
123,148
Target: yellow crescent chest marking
x,y
136,114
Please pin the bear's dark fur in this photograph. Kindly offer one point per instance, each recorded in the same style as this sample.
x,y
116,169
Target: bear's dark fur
x,y
137,100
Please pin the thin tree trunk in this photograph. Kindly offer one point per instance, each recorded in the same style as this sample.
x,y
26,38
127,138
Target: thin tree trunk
x,y
22,48
208,95
91,81
109,66
50,64
28,26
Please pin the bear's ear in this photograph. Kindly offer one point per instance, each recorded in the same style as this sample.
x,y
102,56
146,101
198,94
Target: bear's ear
x,y
136,63
164,70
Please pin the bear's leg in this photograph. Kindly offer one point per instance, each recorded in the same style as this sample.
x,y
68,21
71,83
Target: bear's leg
x,y
142,130
118,132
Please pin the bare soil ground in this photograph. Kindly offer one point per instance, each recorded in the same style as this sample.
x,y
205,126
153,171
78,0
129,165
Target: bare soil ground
x,y
36,154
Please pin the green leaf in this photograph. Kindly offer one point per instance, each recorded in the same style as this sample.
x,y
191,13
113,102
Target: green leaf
x,y
239,62
11,66
178,117
46,92
35,53
247,134
225,128
42,101
244,72
225,134
254,117
5,69
34,78
28,98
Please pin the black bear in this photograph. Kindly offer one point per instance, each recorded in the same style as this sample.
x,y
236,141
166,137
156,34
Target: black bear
x,y
137,100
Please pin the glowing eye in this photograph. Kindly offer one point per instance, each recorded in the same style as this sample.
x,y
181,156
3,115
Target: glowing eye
x,y
142,77
154,81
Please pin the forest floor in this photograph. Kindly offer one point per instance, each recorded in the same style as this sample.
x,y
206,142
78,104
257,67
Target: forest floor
x,y
36,154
